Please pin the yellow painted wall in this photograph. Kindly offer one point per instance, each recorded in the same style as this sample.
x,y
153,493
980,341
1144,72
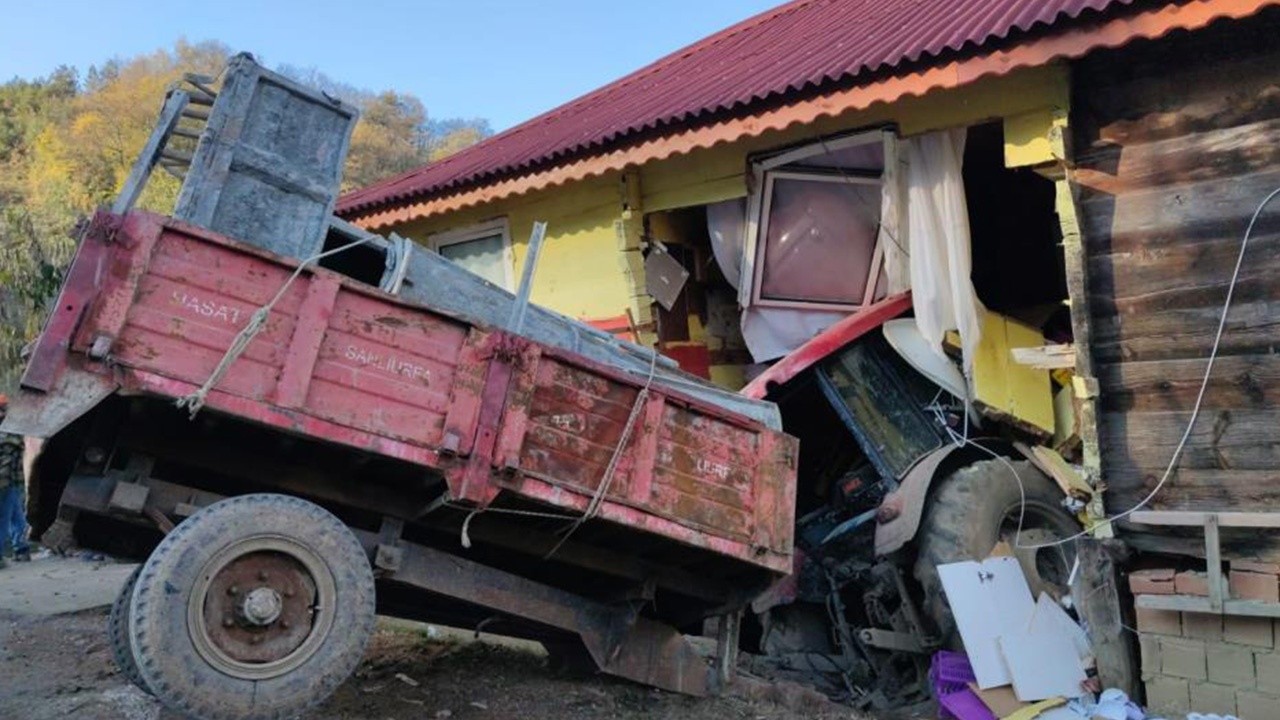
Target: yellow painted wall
x,y
580,272
584,273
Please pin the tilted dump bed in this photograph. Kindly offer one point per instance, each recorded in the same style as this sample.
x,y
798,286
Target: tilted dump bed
x,y
151,305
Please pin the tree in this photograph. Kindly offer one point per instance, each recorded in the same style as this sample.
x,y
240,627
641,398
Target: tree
x,y
67,145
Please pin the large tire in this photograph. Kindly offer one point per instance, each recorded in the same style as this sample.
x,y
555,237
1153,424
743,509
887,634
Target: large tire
x,y
258,606
972,510
118,633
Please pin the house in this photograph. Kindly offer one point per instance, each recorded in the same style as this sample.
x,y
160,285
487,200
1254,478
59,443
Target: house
x,y
1073,171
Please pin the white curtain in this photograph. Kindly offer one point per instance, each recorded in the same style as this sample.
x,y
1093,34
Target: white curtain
x,y
938,234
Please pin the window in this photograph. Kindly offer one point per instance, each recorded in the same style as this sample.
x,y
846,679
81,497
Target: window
x,y
813,241
484,250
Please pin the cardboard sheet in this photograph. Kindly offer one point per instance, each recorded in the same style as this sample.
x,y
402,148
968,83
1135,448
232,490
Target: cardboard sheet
x,y
988,599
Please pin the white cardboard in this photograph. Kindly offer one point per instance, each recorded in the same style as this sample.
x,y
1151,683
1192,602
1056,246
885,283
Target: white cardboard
x,y
1043,665
988,599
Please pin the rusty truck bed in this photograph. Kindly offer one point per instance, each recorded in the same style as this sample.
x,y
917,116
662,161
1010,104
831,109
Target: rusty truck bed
x,y
151,305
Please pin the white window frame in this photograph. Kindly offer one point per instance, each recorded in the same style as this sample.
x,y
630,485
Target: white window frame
x,y
479,231
763,174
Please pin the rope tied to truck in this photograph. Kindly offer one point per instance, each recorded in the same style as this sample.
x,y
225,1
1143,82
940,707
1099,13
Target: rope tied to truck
x,y
602,489
196,400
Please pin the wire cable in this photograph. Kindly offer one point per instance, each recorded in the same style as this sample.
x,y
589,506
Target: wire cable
x,y
1195,410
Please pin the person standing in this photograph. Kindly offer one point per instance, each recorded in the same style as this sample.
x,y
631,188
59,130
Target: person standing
x,y
13,519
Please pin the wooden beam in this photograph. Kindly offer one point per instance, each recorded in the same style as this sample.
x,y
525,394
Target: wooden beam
x,y
1046,357
1192,518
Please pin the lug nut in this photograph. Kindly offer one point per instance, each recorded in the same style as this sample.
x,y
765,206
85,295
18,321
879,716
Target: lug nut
x,y
262,575
227,622
255,639
284,624
233,590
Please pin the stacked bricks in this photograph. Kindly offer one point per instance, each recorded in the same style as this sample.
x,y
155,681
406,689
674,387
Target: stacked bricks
x,y
1205,663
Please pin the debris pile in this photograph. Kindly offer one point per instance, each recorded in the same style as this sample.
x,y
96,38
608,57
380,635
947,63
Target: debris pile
x,y
1028,658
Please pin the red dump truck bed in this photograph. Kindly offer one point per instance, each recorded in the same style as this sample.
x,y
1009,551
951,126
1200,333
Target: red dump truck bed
x,y
151,305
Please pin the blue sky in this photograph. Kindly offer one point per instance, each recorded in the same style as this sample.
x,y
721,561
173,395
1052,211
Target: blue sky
x,y
502,60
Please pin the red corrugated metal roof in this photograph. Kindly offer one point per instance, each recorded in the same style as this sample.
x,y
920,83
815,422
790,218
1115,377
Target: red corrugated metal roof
x,y
802,44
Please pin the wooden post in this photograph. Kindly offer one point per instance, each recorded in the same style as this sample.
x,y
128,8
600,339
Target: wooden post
x,y
536,238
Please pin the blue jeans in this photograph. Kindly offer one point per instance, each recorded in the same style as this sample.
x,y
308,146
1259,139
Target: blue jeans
x,y
13,520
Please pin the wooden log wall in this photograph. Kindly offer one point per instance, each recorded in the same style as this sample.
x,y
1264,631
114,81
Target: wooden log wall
x,y
1175,142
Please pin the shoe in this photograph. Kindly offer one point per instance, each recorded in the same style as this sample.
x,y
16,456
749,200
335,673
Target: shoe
x,y
3,563
22,555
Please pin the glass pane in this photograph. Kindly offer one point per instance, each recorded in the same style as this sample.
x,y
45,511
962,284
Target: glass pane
x,y
819,239
482,256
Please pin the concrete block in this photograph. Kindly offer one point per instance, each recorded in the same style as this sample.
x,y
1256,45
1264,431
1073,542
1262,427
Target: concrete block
x,y
1152,582
1254,705
1267,667
1244,630
1263,587
1160,622
1210,698
1230,665
1169,696
1183,658
1202,626
1150,647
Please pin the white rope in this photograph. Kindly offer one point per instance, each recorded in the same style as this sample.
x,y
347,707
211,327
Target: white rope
x,y
196,400
606,481
597,498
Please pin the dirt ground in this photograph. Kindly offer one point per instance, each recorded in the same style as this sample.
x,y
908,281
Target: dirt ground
x,y
54,667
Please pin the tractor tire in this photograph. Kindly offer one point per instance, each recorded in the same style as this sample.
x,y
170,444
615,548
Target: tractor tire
x,y
118,633
257,606
976,507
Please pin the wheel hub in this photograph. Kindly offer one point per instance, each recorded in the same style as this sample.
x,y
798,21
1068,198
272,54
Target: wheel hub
x,y
262,608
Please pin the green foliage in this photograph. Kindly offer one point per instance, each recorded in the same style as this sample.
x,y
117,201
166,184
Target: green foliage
x,y
67,144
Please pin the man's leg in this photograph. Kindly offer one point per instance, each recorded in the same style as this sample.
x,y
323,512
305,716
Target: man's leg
x,y
18,527
6,534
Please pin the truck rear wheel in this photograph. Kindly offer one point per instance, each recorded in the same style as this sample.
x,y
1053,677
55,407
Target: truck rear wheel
x,y
976,507
118,633
257,606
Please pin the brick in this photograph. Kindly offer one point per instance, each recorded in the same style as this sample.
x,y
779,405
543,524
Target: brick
x,y
1211,698
1191,582
1230,665
1253,705
1268,671
1169,696
1160,622
1263,587
1259,567
1151,582
1202,626
1244,630
1183,658
1150,647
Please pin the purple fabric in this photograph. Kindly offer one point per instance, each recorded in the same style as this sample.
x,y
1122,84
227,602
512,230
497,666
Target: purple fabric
x,y
950,674
964,705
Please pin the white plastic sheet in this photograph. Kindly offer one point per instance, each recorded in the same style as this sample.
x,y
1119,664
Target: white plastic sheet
x,y
938,233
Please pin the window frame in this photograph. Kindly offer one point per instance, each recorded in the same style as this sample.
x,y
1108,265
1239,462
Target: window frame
x,y
480,231
765,171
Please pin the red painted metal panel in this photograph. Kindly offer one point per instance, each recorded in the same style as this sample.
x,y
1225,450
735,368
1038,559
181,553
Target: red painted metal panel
x,y
344,363
827,342
799,47
304,348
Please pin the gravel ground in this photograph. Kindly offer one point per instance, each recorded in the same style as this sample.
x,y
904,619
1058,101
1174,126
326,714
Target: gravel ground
x,y
59,666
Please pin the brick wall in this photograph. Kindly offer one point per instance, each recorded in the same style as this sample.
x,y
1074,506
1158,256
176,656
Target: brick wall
x,y
1192,662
